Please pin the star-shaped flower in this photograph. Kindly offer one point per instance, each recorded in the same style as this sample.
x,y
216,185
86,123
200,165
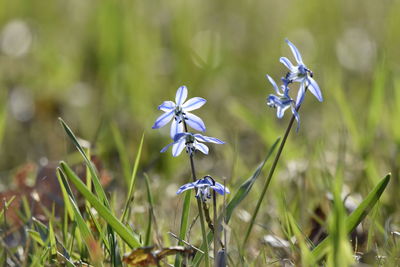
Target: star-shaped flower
x,y
282,100
192,142
180,112
301,74
203,188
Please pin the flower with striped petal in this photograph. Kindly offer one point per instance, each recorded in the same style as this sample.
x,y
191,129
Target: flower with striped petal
x,y
179,112
203,187
301,74
191,142
282,101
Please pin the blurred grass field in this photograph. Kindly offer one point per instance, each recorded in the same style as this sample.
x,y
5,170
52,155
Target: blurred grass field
x,y
104,66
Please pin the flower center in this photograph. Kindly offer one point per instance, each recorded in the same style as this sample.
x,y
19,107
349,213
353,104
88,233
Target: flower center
x,y
179,114
190,144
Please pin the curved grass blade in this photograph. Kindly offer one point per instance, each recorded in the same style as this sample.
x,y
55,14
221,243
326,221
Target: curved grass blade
x,y
104,212
356,217
129,199
96,181
245,188
122,152
150,203
70,204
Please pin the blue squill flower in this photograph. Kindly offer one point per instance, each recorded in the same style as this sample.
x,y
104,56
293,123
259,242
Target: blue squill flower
x,y
301,74
203,188
192,142
180,112
282,101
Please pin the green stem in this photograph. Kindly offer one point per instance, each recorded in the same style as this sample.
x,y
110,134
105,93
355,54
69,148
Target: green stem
x,y
216,238
201,215
269,177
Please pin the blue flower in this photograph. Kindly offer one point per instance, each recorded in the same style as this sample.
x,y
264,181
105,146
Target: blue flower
x,y
192,142
301,74
180,112
282,101
203,188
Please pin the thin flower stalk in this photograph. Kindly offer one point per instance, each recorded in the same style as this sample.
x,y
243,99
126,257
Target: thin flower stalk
x,y
269,177
199,206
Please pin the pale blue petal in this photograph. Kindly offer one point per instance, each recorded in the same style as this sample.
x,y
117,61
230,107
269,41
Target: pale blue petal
x,y
176,128
195,122
179,136
163,119
273,84
314,88
167,106
202,148
280,111
208,139
295,52
288,64
185,187
166,147
178,147
300,94
193,103
181,95
219,188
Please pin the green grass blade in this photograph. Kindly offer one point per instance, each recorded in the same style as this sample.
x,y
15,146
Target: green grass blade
x,y
96,181
104,212
238,197
357,216
35,236
67,196
45,236
245,188
150,203
66,192
52,238
3,117
184,224
82,226
123,154
132,181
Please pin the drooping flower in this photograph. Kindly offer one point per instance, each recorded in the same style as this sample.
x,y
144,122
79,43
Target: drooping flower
x,y
179,111
282,101
301,74
203,188
192,142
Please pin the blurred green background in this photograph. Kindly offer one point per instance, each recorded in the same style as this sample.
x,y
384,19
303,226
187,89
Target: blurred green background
x,y
104,66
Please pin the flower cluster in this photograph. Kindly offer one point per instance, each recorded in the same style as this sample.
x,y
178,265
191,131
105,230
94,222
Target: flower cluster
x,y
179,113
300,74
